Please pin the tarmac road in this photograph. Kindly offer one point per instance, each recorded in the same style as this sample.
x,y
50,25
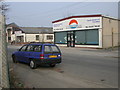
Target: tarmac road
x,y
80,68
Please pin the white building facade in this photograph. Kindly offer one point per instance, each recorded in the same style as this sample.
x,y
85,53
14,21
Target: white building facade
x,y
28,34
94,31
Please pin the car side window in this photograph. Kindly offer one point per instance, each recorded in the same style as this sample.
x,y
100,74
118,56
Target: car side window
x,y
47,49
37,48
30,48
23,48
55,49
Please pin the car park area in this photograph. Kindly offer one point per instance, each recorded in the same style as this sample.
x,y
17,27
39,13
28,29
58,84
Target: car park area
x,y
80,68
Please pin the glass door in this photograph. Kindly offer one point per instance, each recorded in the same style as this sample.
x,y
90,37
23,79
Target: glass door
x,y
71,39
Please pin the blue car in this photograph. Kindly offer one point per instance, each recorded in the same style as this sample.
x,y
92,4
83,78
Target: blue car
x,y
38,53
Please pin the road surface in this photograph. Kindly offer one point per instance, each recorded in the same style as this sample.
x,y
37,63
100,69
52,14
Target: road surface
x,y
80,68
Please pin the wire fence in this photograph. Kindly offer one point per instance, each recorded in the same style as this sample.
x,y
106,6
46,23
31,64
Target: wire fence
x,y
3,56
0,49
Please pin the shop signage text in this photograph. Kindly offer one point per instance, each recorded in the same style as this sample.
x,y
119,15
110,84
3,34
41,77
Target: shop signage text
x,y
78,24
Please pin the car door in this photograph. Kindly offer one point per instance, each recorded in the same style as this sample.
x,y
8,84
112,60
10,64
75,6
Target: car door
x,y
29,53
33,52
21,54
37,51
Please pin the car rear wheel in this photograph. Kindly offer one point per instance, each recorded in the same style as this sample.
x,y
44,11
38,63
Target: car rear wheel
x,y
14,59
52,65
33,64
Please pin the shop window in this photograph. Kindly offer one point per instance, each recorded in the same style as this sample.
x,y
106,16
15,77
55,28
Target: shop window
x,y
61,37
37,37
80,37
49,37
87,37
92,37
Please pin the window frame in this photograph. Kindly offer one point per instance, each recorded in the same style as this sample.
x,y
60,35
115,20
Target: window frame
x,y
49,48
56,48
55,39
29,49
37,37
49,37
34,48
22,47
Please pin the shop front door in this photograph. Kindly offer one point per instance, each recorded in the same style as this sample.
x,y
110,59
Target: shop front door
x,y
71,39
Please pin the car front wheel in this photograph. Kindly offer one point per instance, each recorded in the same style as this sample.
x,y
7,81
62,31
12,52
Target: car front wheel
x,y
33,64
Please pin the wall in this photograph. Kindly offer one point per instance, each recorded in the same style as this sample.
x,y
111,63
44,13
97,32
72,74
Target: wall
x,y
42,38
13,37
110,32
119,32
31,37
9,33
45,38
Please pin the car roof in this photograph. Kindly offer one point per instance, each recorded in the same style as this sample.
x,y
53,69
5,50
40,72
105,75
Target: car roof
x,y
40,44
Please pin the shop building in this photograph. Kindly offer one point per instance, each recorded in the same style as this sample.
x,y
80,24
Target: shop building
x,y
95,31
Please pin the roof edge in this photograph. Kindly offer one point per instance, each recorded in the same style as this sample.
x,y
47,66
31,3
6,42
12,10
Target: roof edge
x,y
98,15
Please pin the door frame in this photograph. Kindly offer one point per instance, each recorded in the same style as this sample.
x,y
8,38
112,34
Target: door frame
x,y
71,39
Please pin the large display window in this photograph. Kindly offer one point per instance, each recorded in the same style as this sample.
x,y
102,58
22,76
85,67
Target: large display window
x,y
80,37
60,37
92,37
87,37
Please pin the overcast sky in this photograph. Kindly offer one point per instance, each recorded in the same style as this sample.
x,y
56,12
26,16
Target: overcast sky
x,y
37,14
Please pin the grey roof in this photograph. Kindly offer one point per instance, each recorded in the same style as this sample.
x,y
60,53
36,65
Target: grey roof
x,y
12,25
37,30
31,30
